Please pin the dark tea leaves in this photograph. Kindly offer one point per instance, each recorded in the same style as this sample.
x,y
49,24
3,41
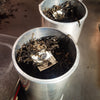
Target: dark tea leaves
x,y
60,62
65,12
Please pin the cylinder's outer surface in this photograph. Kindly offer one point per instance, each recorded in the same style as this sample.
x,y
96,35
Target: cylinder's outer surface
x,y
72,28
43,89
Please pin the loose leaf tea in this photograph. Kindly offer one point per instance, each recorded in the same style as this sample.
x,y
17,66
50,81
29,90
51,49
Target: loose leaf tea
x,y
34,47
45,58
8,9
65,12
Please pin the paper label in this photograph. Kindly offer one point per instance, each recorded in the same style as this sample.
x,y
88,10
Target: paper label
x,y
44,60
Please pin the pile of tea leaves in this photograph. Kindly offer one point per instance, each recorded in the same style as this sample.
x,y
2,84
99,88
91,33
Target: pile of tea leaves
x,y
8,9
5,11
65,12
58,49
33,47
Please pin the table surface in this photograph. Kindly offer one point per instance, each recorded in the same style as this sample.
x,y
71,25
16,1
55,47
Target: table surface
x,y
84,84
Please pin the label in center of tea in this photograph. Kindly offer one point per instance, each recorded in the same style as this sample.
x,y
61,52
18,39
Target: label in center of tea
x,y
44,60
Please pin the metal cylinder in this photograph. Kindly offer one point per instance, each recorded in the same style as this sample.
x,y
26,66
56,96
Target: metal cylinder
x,y
45,89
72,28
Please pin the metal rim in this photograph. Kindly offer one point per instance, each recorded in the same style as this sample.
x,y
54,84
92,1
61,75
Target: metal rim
x,y
55,22
44,81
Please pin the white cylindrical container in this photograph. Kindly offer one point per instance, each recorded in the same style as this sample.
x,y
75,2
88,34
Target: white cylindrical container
x,y
45,89
73,28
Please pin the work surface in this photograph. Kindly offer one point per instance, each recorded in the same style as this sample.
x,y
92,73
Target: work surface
x,y
84,84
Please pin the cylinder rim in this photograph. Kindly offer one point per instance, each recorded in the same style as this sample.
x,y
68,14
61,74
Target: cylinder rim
x,y
56,22
44,81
